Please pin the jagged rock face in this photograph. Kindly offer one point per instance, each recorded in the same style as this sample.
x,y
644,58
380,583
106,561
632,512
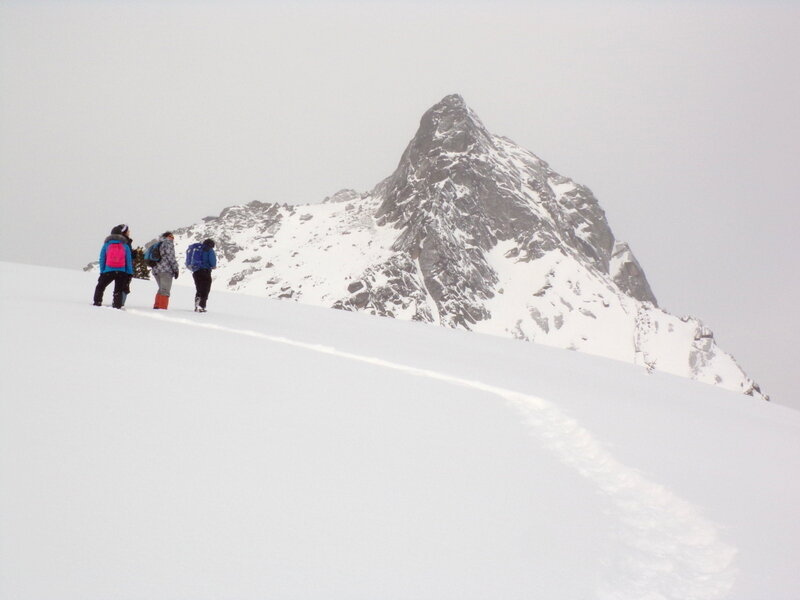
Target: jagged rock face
x,y
470,231
459,190
627,273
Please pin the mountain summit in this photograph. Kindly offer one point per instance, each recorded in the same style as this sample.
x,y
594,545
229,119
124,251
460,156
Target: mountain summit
x,y
470,231
455,177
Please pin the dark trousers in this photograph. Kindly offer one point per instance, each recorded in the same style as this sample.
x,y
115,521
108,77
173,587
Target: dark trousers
x,y
202,284
121,281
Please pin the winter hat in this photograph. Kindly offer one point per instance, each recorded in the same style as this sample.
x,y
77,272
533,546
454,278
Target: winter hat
x,y
167,234
209,243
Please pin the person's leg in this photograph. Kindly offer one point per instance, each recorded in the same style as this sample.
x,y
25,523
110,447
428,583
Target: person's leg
x,y
164,286
203,286
127,289
120,282
197,285
164,281
102,284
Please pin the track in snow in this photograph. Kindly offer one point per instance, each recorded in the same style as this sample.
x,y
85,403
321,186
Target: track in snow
x,y
673,552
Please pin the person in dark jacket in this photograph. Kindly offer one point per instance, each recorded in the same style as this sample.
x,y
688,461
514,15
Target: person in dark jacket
x,y
200,260
116,264
165,270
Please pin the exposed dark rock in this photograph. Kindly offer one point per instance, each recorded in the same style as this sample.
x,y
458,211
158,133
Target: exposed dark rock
x,y
629,275
361,299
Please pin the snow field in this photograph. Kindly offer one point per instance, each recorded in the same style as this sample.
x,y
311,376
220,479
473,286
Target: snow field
x,y
268,448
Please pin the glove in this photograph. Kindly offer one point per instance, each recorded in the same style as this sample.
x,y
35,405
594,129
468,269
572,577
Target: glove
x,y
175,274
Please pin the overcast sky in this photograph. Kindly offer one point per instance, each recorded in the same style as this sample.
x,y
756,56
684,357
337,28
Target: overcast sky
x,y
682,117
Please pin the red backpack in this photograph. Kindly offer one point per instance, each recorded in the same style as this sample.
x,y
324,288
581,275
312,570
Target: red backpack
x,y
115,255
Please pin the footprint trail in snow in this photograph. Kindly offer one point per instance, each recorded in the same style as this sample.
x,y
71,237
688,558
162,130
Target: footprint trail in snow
x,y
674,553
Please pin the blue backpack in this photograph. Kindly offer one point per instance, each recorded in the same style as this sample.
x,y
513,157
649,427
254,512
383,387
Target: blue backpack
x,y
152,254
194,257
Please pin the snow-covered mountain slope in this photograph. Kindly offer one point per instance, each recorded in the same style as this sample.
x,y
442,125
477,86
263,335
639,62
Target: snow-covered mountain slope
x,y
273,450
470,231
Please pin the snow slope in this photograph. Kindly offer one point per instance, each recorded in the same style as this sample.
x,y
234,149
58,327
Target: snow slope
x,y
277,450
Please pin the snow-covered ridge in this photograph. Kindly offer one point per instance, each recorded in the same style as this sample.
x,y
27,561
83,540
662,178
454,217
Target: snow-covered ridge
x,y
470,231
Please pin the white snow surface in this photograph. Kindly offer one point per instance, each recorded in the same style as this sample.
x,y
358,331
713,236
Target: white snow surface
x,y
278,450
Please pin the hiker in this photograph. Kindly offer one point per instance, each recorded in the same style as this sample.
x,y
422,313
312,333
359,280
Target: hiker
x,y
200,259
116,264
165,270
125,231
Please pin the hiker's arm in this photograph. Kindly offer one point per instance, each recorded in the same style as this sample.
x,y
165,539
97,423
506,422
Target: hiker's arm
x,y
128,260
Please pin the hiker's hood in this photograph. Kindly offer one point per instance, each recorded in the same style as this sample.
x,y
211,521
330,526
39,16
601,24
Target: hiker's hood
x,y
117,237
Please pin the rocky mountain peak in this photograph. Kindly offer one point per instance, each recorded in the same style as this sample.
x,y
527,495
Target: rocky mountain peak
x,y
470,231
459,191
450,127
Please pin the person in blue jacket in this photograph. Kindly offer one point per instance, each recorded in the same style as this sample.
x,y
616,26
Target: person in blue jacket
x,y
200,259
116,264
